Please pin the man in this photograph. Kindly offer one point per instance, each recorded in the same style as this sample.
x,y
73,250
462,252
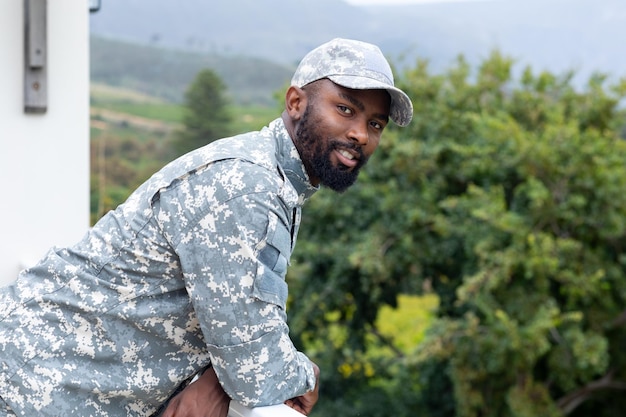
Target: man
x,y
188,274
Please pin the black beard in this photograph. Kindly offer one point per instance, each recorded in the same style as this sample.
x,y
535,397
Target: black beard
x,y
315,153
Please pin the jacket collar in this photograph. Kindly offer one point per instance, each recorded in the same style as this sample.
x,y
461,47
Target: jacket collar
x,y
292,164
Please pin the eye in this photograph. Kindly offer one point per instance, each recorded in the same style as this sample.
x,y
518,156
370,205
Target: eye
x,y
377,125
344,109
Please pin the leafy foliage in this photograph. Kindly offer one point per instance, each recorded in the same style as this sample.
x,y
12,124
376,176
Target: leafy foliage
x,y
505,198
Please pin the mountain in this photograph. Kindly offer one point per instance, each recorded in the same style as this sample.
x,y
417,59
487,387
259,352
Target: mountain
x,y
554,35
280,30
167,73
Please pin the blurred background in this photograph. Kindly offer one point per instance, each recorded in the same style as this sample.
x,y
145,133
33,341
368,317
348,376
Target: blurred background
x,y
477,268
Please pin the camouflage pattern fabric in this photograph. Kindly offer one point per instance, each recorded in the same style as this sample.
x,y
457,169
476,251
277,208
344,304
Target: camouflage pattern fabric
x,y
188,271
5,410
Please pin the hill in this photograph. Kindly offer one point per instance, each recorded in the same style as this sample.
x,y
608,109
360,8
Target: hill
x,y
278,30
167,73
555,35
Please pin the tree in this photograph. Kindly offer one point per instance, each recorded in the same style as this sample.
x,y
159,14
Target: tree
x,y
533,205
505,198
207,116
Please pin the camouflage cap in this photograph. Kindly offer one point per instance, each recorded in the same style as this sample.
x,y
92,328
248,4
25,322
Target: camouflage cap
x,y
357,65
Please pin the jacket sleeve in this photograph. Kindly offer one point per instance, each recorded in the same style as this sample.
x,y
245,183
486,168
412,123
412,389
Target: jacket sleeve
x,y
232,233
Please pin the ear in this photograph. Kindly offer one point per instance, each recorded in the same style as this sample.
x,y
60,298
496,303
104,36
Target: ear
x,y
295,102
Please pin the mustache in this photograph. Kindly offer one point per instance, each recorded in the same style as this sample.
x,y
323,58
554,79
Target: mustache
x,y
338,144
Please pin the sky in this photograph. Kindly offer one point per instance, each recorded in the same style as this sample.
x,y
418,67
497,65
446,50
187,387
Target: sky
x,y
366,2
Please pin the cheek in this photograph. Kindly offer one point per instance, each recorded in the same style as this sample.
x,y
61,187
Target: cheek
x,y
372,145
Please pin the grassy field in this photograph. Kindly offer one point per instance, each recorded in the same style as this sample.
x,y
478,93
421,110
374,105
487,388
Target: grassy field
x,y
123,105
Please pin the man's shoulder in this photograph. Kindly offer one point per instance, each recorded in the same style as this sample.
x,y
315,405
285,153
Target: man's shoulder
x,y
246,160
252,157
258,147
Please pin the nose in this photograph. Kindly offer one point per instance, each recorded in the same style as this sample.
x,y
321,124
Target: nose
x,y
358,133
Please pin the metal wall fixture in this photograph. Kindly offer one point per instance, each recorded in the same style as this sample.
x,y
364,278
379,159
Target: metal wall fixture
x,y
94,5
35,56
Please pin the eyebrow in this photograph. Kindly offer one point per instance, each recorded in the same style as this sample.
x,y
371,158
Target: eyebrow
x,y
361,107
352,100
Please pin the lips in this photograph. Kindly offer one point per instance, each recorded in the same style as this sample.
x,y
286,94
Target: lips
x,y
347,157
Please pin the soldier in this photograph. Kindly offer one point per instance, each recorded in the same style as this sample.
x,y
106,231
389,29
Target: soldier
x,y
189,273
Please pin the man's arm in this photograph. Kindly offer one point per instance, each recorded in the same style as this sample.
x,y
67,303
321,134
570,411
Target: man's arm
x,y
202,398
304,403
206,398
232,233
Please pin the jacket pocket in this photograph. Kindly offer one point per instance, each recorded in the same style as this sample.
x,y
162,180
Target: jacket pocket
x,y
273,259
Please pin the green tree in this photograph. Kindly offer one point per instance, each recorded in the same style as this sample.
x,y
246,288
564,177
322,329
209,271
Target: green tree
x,y
505,198
531,200
207,117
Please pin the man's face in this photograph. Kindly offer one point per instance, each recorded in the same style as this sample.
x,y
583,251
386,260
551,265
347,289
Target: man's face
x,y
338,132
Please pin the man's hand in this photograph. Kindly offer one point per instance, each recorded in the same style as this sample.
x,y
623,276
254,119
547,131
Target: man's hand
x,y
202,398
304,403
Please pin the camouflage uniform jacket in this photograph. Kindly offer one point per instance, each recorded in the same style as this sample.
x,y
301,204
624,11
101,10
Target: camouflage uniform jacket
x,y
189,270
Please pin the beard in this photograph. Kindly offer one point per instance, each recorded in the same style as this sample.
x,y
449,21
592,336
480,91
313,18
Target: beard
x,y
315,151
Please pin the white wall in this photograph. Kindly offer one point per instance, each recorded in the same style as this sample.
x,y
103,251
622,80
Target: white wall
x,y
44,158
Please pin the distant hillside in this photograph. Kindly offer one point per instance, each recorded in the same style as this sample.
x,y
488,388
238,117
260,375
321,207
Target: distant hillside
x,y
167,73
280,30
553,35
